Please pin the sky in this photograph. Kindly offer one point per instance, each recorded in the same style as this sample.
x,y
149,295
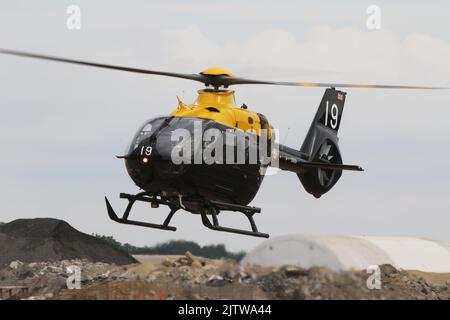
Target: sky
x,y
62,125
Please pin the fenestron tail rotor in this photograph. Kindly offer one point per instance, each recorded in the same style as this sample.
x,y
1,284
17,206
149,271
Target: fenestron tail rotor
x,y
215,77
325,176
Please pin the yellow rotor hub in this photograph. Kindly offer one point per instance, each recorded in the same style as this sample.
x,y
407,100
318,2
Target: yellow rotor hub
x,y
217,72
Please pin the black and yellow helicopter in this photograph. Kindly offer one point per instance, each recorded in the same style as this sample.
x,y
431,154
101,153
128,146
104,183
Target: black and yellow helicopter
x,y
209,188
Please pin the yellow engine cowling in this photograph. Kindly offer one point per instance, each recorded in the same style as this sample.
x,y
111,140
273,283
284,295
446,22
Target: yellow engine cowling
x,y
220,106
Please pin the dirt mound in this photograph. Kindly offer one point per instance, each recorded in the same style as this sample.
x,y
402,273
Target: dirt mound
x,y
45,239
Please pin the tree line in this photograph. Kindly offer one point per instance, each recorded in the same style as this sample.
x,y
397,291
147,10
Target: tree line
x,y
175,247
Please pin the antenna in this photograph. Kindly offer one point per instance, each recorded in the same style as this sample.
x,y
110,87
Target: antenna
x,y
286,135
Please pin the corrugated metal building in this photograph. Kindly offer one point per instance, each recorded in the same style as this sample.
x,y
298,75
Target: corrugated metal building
x,y
341,253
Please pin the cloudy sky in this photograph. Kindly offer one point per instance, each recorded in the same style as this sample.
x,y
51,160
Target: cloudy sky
x,y
62,125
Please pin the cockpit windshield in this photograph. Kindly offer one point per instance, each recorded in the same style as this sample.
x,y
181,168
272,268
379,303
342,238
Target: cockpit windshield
x,y
145,131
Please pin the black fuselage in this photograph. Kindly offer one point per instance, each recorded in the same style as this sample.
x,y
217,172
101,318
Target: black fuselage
x,y
150,164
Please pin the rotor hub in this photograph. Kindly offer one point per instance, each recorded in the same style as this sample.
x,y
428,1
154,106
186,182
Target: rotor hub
x,y
217,72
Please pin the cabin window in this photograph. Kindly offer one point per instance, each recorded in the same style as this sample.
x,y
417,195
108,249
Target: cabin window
x,y
144,132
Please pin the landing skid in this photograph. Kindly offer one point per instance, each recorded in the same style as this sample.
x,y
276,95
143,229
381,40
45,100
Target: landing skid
x,y
144,197
212,208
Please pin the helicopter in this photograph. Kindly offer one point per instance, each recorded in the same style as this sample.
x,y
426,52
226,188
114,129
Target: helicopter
x,y
209,188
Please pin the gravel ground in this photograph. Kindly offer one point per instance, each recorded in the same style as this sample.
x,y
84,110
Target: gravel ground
x,y
189,277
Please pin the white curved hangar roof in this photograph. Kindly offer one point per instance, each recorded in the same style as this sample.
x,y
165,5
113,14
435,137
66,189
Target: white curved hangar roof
x,y
341,253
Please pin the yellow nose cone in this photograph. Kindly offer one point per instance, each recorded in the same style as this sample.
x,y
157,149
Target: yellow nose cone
x,y
217,72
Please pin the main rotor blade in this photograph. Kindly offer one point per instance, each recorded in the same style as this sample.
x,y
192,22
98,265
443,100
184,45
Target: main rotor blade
x,y
210,79
236,81
195,77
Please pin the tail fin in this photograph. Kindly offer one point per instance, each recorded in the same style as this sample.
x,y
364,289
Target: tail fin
x,y
321,144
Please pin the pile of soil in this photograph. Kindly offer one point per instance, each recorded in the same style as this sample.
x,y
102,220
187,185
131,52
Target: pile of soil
x,y
46,239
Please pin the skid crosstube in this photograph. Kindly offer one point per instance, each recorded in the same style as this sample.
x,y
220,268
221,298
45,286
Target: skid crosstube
x,y
246,210
212,208
145,198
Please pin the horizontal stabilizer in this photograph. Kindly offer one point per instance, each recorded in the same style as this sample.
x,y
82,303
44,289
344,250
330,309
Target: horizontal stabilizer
x,y
331,166
298,165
